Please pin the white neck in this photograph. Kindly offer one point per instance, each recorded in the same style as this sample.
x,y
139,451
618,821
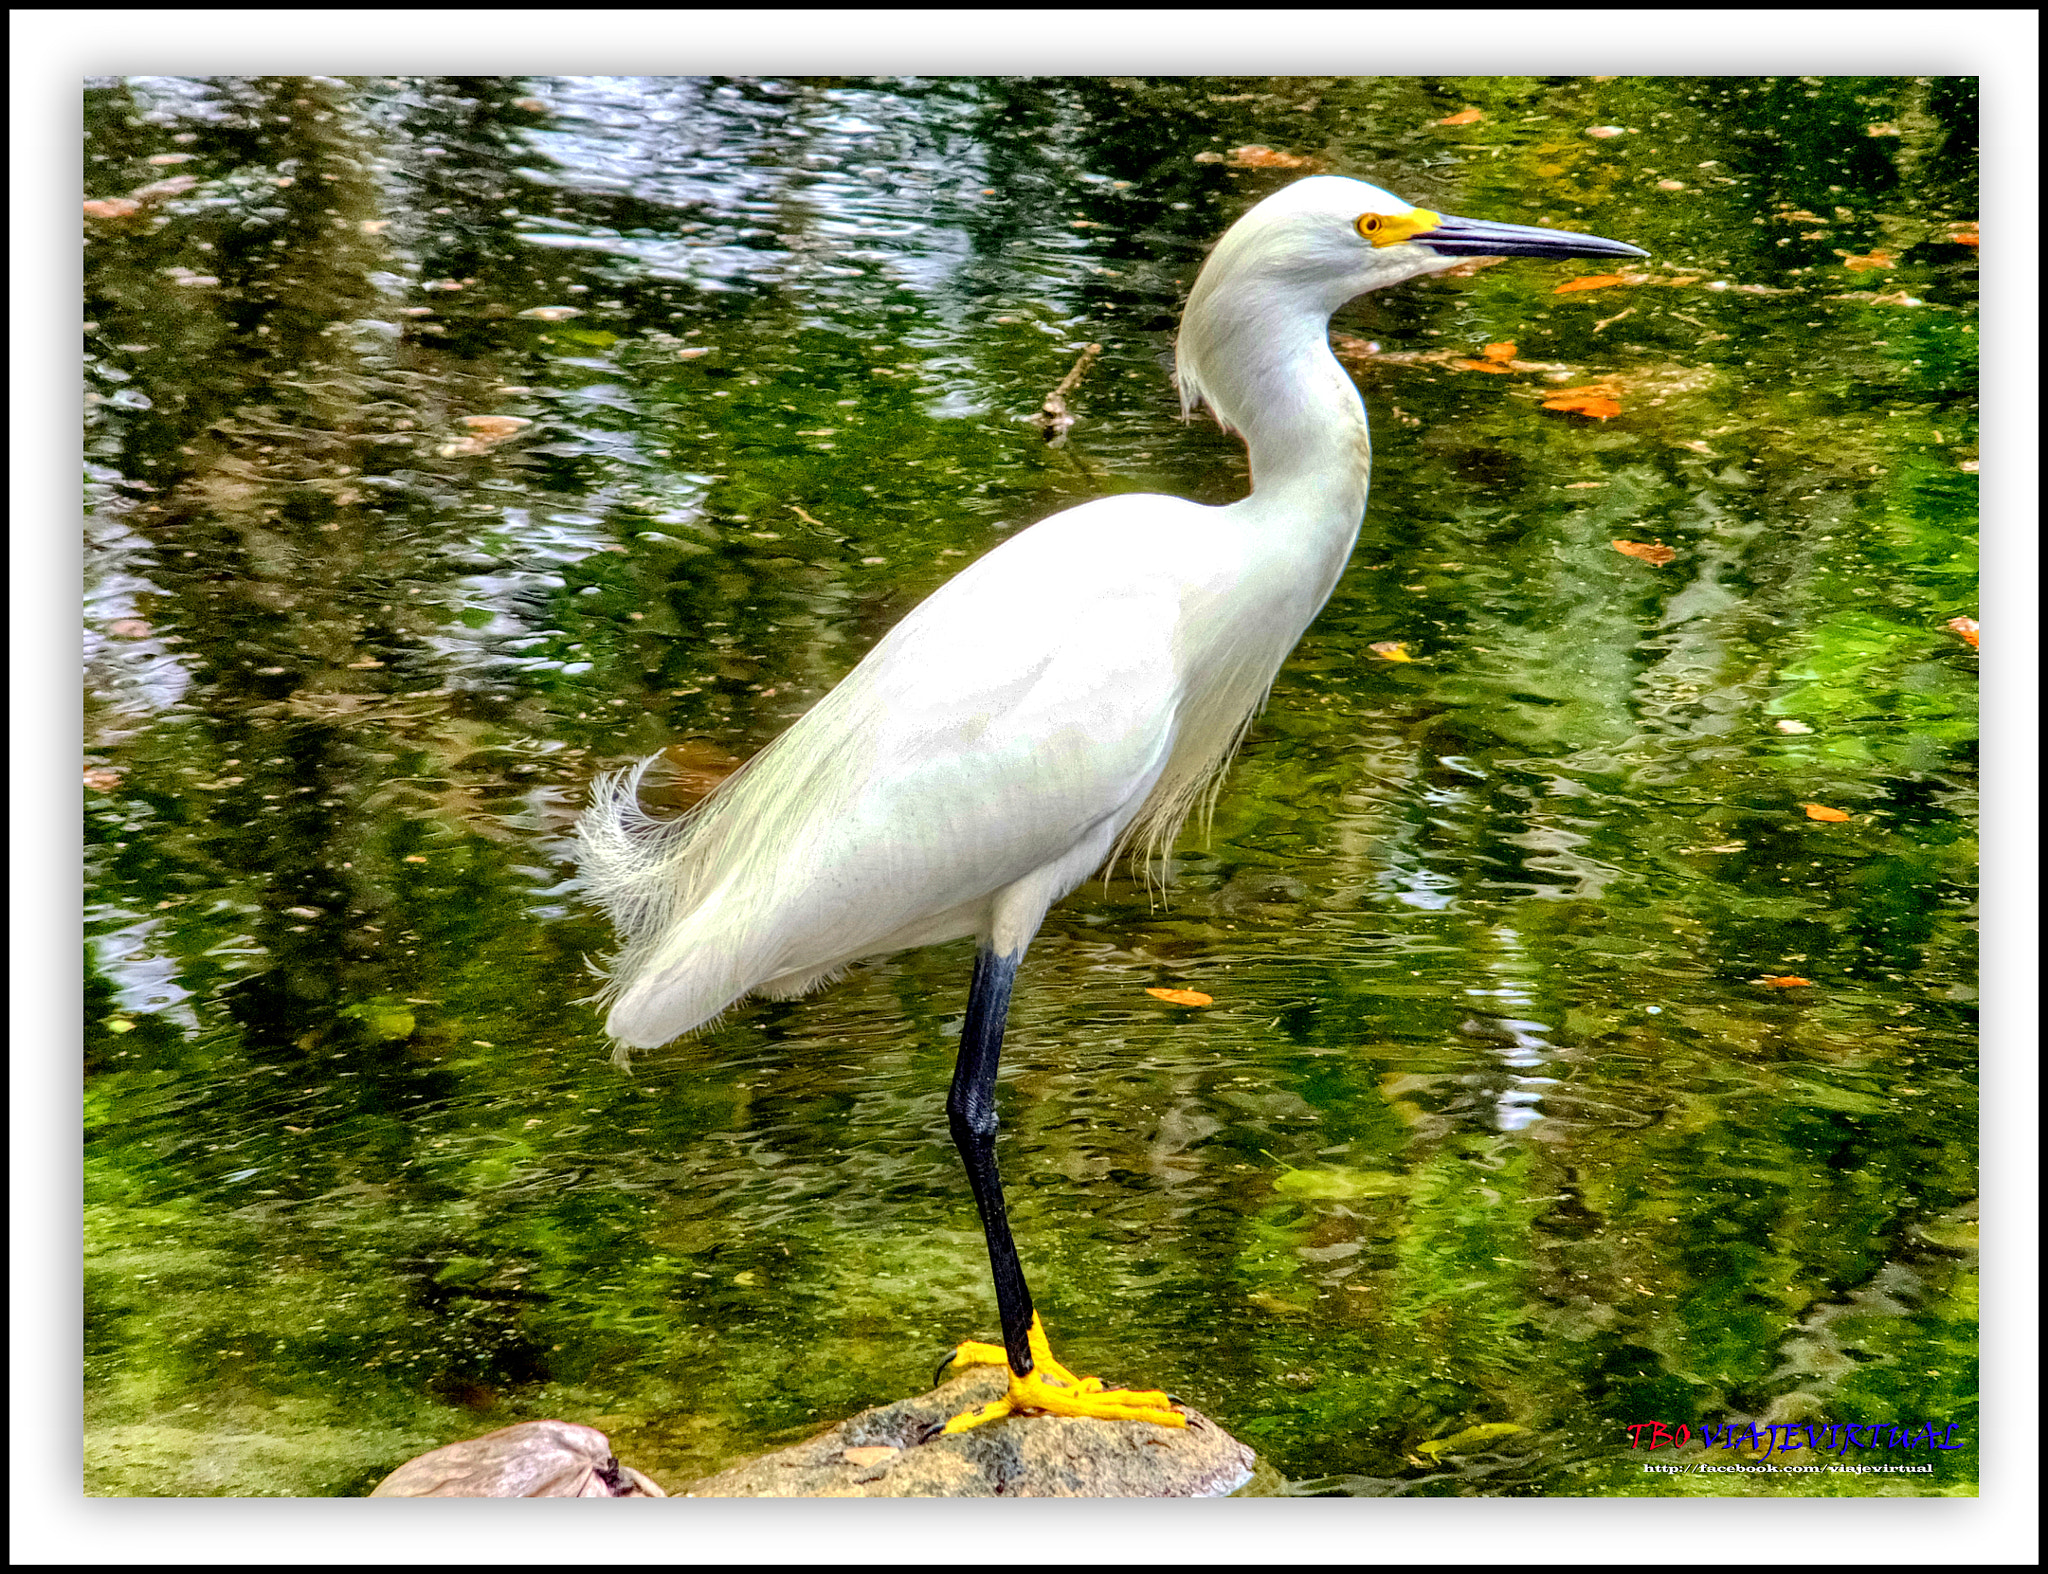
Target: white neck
x,y
1273,379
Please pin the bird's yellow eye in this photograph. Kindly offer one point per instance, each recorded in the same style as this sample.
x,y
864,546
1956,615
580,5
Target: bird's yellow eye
x,y
1390,229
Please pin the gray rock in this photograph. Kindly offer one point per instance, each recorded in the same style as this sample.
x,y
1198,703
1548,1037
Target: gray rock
x,y
893,1451
532,1459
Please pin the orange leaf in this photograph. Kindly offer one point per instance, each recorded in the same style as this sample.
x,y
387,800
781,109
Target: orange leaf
x,y
102,778
1592,281
1256,155
1499,352
1658,553
1463,117
111,208
496,427
1390,650
1482,366
1596,402
1182,997
1820,811
1786,981
1879,258
1962,235
1967,627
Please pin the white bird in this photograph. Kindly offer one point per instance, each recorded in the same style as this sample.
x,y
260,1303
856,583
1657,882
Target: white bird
x,y
1071,695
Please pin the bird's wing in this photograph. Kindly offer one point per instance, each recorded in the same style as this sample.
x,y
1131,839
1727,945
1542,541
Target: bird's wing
x,y
1026,704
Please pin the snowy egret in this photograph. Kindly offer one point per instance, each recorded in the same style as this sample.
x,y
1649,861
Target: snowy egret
x,y
1069,696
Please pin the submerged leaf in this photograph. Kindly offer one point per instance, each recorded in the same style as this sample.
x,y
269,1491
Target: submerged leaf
x,y
1820,811
1967,628
1650,552
1390,650
1470,1438
1786,981
1182,997
1338,1183
1595,402
1256,155
1592,281
1464,117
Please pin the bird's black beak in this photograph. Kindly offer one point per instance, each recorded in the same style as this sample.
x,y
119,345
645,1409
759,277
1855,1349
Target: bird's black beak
x,y
1455,237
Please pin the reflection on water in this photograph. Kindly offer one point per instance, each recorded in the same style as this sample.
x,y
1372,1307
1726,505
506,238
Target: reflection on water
x,y
451,440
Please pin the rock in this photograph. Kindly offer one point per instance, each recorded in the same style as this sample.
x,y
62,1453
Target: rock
x,y
894,1451
532,1459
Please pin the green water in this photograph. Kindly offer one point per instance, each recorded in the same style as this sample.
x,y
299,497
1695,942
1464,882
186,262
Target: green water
x,y
1491,1124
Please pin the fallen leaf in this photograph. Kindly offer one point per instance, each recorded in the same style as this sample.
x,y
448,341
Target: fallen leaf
x,y
1883,128
111,208
1499,352
1464,117
695,766
1820,811
533,106
1182,997
552,313
1595,402
1961,235
1671,185
1470,1438
176,186
496,426
1482,366
1390,650
691,352
170,158
1657,553
1785,981
1966,627
1604,132
1789,726
1592,281
102,778
1880,258
1256,155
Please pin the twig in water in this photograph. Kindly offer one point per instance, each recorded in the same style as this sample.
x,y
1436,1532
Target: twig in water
x,y
1053,417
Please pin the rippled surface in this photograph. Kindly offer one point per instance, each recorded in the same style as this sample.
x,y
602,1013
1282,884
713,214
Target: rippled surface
x,y
1493,1123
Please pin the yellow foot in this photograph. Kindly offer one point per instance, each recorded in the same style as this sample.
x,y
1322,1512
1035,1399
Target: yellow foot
x,y
1050,1389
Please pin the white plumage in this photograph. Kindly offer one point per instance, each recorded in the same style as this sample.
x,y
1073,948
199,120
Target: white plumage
x,y
1072,693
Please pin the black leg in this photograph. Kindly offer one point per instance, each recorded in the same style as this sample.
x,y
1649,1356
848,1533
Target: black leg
x,y
971,1112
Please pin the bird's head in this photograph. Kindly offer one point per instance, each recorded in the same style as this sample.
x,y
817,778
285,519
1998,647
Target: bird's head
x,y
1303,252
